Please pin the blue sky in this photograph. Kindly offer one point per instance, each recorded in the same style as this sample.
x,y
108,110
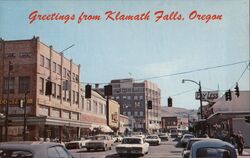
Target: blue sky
x,y
110,50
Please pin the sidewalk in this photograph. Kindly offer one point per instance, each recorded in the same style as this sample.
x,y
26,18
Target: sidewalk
x,y
246,153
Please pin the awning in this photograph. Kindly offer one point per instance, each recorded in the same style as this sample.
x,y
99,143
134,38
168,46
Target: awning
x,y
44,120
224,115
103,128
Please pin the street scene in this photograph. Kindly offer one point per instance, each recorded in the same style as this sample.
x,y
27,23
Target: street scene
x,y
112,79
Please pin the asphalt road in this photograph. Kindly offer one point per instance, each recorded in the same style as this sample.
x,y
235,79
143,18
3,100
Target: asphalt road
x,y
165,150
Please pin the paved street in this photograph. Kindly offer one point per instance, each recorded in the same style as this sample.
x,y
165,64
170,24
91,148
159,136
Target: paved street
x,y
165,150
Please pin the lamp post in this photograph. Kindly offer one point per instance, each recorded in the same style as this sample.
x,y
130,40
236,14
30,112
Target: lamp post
x,y
199,84
24,116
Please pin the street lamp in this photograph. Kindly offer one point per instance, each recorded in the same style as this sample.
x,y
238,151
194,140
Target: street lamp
x,y
199,84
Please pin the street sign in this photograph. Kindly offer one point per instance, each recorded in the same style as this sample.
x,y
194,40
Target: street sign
x,y
207,95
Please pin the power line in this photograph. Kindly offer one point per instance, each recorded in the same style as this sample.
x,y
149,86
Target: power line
x,y
178,73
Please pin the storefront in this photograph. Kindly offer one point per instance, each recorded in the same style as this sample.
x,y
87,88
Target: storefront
x,y
42,127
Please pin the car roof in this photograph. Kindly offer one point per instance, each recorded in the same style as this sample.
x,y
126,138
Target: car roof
x,y
212,143
27,145
133,137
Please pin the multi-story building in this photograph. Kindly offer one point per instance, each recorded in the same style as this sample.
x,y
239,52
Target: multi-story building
x,y
133,98
169,123
27,65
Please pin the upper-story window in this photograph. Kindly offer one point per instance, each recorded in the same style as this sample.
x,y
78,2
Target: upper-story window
x,y
54,67
41,84
47,63
24,84
64,72
59,69
11,85
42,60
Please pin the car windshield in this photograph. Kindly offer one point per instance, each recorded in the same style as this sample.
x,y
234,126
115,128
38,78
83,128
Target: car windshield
x,y
188,137
98,138
152,137
212,153
131,141
15,154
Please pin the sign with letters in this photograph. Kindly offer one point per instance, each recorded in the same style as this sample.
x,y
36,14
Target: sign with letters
x,y
207,95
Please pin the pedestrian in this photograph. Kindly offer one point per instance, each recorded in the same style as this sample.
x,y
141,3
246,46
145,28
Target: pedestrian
x,y
232,140
240,143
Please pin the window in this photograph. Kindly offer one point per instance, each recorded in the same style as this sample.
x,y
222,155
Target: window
x,y
24,84
59,89
88,105
11,85
101,108
47,63
82,102
69,96
64,95
117,97
59,69
141,113
135,97
41,84
12,153
129,113
124,113
141,97
136,113
42,60
137,104
54,90
95,107
73,96
129,97
77,98
64,72
124,97
54,67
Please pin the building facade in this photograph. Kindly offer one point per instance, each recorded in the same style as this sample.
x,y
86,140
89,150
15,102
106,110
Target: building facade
x,y
133,98
28,65
168,123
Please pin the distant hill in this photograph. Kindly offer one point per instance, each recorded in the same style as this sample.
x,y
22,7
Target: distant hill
x,y
179,112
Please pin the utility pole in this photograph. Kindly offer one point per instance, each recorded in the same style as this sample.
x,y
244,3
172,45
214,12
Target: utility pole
x,y
24,116
7,105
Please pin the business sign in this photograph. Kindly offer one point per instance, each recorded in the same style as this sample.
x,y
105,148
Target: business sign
x,y
207,95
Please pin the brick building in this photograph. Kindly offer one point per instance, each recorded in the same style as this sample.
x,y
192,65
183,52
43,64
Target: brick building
x,y
32,64
168,123
133,97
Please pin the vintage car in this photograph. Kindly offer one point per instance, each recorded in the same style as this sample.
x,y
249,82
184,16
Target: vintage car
x,y
132,146
212,149
164,136
186,150
153,140
103,142
185,138
29,149
77,144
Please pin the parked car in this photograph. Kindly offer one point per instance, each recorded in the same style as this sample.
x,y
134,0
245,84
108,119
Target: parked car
x,y
164,136
186,150
140,136
103,142
117,138
186,138
153,140
132,146
29,149
213,149
77,144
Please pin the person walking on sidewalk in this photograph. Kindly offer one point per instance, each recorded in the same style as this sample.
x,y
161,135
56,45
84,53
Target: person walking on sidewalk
x,y
240,143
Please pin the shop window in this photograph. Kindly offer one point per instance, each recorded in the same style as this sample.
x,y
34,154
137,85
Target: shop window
x,y
11,85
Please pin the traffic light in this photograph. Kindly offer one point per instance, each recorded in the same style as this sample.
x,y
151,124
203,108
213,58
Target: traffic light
x,y
228,95
48,90
108,90
88,91
247,119
237,92
150,106
170,102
